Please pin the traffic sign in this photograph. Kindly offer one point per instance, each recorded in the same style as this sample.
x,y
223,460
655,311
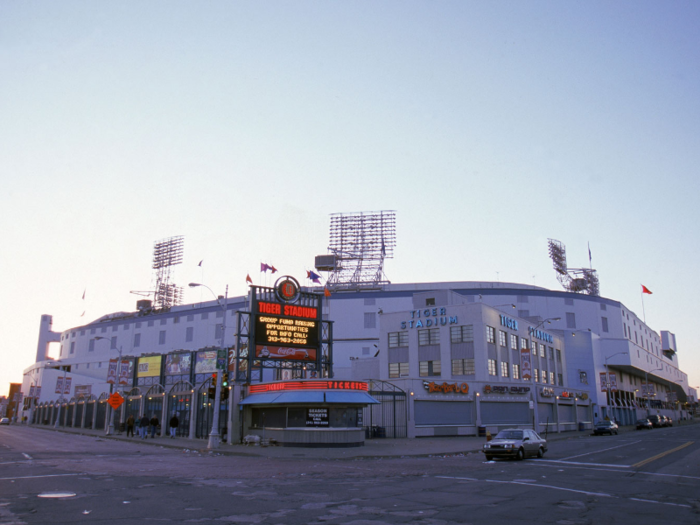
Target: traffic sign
x,y
115,400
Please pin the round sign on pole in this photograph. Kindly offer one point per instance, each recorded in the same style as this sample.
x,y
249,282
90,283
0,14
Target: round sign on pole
x,y
287,289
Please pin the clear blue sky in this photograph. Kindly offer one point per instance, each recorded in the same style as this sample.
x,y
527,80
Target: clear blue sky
x,y
487,126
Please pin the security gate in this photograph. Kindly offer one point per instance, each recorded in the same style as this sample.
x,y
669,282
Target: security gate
x,y
389,419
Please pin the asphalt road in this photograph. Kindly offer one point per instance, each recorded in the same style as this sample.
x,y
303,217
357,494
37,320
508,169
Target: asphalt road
x,y
636,477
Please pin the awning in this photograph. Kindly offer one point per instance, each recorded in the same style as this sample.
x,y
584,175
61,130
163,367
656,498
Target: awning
x,y
310,398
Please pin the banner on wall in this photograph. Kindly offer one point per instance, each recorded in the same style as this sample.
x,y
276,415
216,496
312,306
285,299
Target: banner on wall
x,y
178,364
59,385
149,366
206,362
67,385
126,372
525,364
603,382
613,382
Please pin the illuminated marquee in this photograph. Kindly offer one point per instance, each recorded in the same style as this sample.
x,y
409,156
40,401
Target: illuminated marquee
x,y
308,385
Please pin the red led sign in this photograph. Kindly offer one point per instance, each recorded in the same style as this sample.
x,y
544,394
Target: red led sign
x,y
308,385
288,310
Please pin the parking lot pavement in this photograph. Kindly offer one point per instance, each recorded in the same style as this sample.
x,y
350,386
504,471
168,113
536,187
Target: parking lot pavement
x,y
373,448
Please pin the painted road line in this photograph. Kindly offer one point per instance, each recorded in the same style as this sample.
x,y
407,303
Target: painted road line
x,y
551,487
585,466
604,450
562,462
33,477
659,456
662,503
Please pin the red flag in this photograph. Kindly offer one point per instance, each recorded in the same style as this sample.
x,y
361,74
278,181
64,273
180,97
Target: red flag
x,y
326,292
248,279
646,290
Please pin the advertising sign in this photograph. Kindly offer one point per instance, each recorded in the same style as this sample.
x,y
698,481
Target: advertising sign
x,y
613,381
149,366
67,385
525,364
206,362
603,382
83,390
126,372
59,385
282,352
273,330
112,371
317,417
38,392
178,364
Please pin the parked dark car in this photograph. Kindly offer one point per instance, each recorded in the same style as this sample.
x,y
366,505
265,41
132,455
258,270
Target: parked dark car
x,y
656,421
605,427
515,443
669,421
644,424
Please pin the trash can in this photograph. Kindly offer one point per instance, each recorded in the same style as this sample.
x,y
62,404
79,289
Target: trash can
x,y
482,431
581,427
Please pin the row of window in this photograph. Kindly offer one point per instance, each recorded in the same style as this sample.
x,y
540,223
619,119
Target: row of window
x,y
189,337
139,324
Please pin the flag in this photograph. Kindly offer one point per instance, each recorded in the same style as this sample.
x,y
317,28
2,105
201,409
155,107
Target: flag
x,y
313,276
646,290
326,291
85,290
200,262
248,279
273,269
264,267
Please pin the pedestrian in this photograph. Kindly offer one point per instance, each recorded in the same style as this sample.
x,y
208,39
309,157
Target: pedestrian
x,y
130,425
174,423
144,427
154,425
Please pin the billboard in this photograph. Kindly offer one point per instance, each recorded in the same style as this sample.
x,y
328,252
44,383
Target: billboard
x,y
205,362
149,366
178,364
525,364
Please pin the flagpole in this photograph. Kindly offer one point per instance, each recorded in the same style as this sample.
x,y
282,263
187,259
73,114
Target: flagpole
x,y
644,314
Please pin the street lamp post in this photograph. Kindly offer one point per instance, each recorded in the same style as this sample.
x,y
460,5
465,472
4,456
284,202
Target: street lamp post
x,y
646,386
214,434
110,429
607,377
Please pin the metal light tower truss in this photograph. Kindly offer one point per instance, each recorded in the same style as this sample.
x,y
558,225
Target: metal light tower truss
x,y
360,242
577,280
166,254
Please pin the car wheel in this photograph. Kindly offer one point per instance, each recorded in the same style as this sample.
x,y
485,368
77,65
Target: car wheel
x,y
489,458
540,452
521,455
616,432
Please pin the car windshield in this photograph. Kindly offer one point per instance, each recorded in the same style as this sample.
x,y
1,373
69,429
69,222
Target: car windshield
x,y
605,423
510,434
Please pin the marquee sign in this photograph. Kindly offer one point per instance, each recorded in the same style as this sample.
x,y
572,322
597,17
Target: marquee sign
x,y
501,389
308,385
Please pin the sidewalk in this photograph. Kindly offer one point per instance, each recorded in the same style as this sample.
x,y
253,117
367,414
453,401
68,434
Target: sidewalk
x,y
373,448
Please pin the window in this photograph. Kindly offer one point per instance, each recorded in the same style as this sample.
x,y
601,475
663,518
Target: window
x,y
429,337
430,301
542,353
551,353
126,326
516,371
569,302
398,369
370,320
114,328
72,347
504,369
91,345
176,319
544,376
161,337
551,378
370,302
603,306
82,332
524,343
558,356
463,367
113,343
150,323
137,340
103,329
205,315
490,334
561,379
189,334
218,331
570,320
502,339
219,314
492,367
138,325
398,339
462,334
92,330
604,321
535,375
514,342
429,368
